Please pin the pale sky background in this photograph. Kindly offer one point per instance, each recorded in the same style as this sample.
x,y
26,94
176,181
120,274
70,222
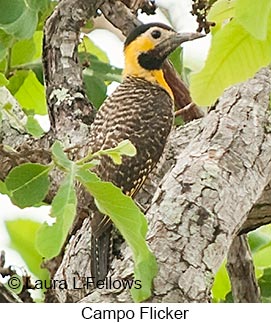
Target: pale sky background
x,y
194,55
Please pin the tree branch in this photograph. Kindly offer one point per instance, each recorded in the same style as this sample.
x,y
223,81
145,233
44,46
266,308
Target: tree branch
x,y
240,267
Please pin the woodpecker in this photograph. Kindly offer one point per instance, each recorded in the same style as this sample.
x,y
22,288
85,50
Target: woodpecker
x,y
141,110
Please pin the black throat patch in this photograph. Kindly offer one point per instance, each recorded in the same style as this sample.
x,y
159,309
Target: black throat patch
x,y
150,62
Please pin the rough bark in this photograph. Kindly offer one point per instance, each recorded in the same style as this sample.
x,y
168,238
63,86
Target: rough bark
x,y
66,99
207,196
240,267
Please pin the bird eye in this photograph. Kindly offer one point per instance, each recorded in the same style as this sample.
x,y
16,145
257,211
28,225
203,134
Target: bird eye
x,y
156,34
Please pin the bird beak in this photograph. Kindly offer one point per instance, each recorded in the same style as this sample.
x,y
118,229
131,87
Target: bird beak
x,y
182,37
170,44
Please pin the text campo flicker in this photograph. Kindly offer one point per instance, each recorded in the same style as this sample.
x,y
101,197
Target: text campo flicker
x,y
86,283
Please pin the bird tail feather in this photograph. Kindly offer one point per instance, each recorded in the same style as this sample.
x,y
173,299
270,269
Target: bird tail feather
x,y
101,251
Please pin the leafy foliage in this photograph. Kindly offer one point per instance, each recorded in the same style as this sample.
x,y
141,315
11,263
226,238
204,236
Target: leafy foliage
x,y
22,234
19,18
28,184
98,73
241,45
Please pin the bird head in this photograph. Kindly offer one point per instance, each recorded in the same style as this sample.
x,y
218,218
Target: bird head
x,y
147,47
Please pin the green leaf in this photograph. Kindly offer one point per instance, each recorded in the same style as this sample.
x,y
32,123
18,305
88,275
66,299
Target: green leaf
x,y
97,76
254,16
221,286
117,159
18,19
221,11
22,235
5,43
44,14
98,68
33,127
3,63
3,80
31,95
60,157
259,239
36,67
22,52
234,56
38,5
125,148
27,51
95,90
3,188
38,38
86,176
28,184
87,45
260,243
176,60
16,81
89,165
131,223
265,285
262,257
50,239
11,10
